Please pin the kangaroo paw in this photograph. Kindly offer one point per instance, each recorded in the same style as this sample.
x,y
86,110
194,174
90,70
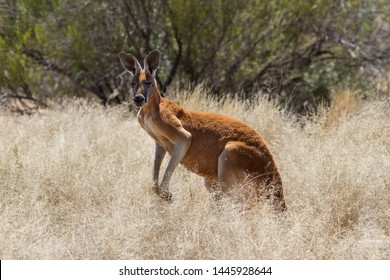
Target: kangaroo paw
x,y
167,196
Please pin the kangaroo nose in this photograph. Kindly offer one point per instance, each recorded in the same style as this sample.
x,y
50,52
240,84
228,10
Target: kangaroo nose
x,y
139,100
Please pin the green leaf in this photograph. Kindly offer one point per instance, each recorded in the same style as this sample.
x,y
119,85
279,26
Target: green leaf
x,y
27,35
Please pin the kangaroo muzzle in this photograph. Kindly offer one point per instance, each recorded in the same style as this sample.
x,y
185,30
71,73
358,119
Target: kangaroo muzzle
x,y
139,100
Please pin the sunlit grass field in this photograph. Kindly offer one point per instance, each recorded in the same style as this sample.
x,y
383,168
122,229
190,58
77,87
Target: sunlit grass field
x,y
76,183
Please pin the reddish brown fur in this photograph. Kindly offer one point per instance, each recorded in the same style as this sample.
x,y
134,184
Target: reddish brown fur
x,y
221,149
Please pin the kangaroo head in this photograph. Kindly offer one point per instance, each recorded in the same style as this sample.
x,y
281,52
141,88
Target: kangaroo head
x,y
143,82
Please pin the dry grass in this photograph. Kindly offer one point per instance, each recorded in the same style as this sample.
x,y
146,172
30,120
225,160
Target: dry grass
x,y
75,183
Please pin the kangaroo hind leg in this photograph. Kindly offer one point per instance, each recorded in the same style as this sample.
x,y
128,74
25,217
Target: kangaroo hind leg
x,y
233,174
215,189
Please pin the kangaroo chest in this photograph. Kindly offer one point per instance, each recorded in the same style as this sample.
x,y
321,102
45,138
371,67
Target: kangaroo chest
x,y
151,127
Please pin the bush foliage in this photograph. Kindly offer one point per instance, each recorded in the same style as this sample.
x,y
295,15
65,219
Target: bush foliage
x,y
294,50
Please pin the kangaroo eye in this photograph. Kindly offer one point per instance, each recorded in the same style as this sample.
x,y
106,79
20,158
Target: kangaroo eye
x,y
133,84
147,83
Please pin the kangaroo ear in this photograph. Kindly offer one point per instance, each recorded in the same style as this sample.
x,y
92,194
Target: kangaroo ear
x,y
151,62
130,63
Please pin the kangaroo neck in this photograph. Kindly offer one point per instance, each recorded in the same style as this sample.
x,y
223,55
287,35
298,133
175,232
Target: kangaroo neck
x,y
153,104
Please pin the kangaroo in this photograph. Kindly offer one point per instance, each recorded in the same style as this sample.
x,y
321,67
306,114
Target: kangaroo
x,y
229,154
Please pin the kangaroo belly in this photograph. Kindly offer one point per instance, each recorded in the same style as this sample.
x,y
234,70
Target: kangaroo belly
x,y
201,164
202,155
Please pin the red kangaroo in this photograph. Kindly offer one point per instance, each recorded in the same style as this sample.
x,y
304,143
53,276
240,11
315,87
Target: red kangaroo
x,y
230,155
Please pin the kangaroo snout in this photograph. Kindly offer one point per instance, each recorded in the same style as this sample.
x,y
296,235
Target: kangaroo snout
x,y
139,100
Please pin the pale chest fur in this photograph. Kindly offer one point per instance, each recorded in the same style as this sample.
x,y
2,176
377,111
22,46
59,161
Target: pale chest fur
x,y
151,126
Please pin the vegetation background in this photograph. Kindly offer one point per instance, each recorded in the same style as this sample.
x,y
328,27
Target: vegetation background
x,y
296,51
75,172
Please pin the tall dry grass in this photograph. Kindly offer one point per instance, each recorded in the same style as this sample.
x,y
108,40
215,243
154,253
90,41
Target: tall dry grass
x,y
75,183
